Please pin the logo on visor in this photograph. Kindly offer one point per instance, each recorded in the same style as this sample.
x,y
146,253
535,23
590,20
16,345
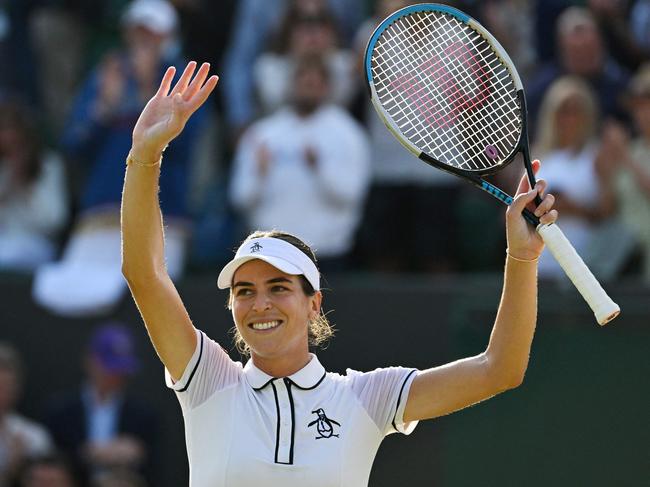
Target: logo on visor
x,y
256,247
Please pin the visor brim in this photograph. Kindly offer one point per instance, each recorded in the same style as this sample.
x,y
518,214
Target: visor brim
x,y
224,281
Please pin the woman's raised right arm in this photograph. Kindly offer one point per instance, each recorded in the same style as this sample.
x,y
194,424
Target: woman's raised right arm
x,y
143,261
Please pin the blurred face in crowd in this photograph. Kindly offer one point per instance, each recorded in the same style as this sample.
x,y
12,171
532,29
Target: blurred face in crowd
x,y
140,37
11,136
8,390
145,52
581,50
310,90
309,7
570,121
104,380
641,114
47,475
312,36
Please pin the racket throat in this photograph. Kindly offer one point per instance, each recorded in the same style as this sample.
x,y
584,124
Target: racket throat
x,y
525,145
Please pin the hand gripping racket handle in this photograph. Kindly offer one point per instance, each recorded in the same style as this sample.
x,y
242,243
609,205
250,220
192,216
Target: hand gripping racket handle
x,y
602,305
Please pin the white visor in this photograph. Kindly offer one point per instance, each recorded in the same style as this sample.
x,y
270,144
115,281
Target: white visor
x,y
280,254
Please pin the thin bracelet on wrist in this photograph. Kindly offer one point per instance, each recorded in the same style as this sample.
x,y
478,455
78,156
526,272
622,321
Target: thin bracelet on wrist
x,y
527,261
131,160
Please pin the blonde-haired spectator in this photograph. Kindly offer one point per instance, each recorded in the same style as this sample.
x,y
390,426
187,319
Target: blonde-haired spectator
x,y
566,142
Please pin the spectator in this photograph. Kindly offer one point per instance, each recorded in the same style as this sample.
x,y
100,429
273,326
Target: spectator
x,y
613,20
582,53
20,438
33,203
47,471
88,280
101,426
300,36
321,153
628,172
566,143
255,23
403,195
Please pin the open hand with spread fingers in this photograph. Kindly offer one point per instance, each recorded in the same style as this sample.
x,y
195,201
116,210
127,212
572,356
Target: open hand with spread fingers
x,y
167,112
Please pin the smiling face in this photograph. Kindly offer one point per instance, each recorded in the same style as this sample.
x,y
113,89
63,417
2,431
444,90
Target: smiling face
x,y
272,313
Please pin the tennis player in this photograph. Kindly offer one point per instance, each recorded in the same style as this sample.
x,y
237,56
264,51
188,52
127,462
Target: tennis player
x,y
281,419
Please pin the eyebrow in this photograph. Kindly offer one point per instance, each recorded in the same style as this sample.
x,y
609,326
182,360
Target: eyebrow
x,y
270,281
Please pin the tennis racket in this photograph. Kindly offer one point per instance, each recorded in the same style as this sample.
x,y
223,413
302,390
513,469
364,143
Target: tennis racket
x,y
451,95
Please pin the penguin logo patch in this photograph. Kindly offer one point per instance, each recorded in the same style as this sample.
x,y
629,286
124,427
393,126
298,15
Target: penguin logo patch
x,y
324,425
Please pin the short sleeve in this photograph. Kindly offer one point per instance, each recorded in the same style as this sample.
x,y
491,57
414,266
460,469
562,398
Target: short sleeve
x,y
383,394
209,371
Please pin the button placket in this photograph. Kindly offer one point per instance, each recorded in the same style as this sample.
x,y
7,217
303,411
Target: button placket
x,y
284,438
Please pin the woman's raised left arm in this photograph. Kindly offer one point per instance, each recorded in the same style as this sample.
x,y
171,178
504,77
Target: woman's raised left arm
x,y
448,388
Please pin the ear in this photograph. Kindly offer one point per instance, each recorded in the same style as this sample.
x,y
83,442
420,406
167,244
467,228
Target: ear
x,y
315,305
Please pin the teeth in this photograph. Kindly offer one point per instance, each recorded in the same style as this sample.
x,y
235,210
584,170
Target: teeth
x,y
265,326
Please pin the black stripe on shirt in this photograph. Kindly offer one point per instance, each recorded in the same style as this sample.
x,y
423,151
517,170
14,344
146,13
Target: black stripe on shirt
x,y
196,366
277,428
399,398
288,383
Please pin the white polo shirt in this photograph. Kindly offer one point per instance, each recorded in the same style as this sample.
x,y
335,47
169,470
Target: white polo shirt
x,y
313,428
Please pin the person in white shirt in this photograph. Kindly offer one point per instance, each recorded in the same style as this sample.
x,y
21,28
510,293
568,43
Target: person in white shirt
x,y
567,140
317,151
33,199
282,420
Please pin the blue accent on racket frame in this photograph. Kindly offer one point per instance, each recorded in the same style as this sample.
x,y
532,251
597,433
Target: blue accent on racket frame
x,y
427,7
493,190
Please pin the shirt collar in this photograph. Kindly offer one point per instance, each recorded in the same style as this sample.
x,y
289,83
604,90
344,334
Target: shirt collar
x,y
308,377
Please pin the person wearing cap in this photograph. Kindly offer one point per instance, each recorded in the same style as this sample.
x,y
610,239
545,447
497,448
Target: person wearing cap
x,y
87,281
281,419
101,426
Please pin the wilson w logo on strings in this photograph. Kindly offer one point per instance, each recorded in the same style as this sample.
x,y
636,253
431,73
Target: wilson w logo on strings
x,y
439,95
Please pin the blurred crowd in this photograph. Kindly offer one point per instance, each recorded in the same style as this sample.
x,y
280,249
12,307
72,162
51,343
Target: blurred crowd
x,y
95,435
288,141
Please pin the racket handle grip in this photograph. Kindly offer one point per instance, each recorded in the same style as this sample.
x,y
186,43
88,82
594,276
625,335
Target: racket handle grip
x,y
602,305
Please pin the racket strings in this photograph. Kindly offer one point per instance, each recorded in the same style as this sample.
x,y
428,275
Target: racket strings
x,y
458,75
471,124
447,91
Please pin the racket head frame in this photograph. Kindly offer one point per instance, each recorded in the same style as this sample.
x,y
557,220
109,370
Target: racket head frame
x,y
475,175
